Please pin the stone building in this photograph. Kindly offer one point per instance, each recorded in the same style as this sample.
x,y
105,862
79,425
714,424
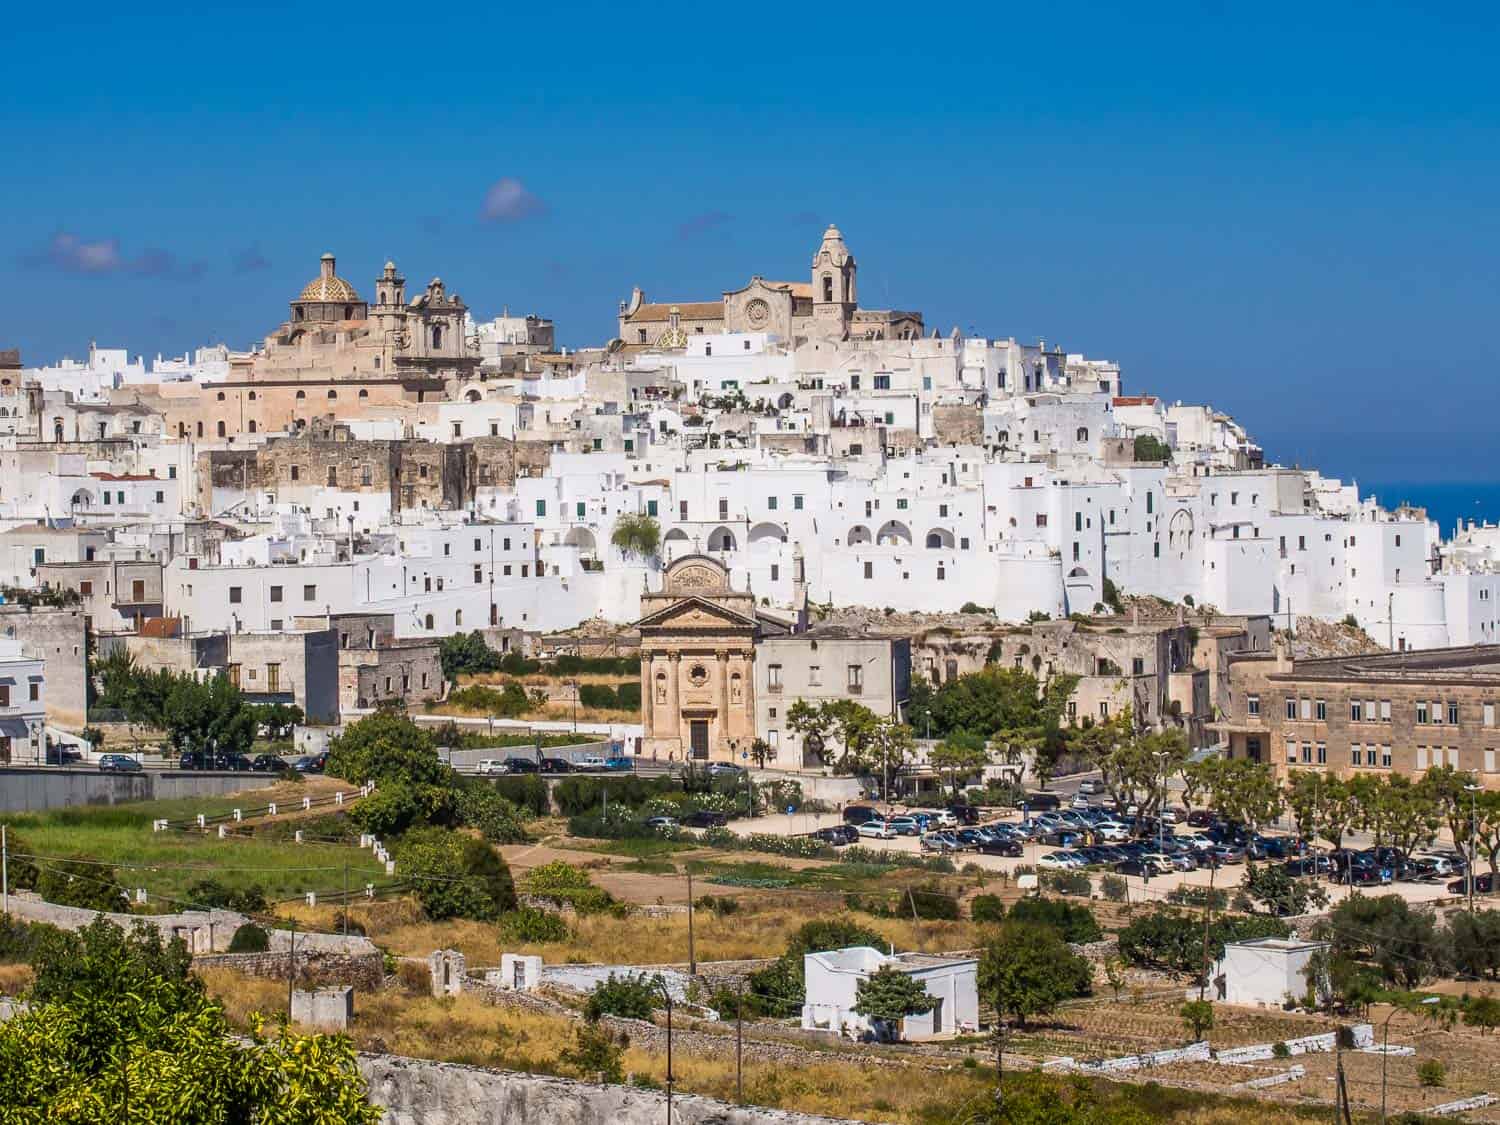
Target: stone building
x,y
826,307
118,594
1401,712
375,666
698,640
288,667
55,636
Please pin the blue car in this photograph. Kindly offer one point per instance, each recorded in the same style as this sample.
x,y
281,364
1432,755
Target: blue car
x,y
619,765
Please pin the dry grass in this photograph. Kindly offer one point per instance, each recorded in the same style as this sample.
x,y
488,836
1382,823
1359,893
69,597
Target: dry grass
x,y
760,929
14,979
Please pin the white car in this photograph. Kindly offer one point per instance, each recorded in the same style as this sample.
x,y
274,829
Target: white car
x,y
1091,785
591,764
877,829
1057,861
1112,831
1162,863
488,766
944,819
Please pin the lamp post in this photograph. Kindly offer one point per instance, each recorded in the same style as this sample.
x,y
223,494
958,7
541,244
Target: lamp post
x,y
667,996
1473,791
1385,1044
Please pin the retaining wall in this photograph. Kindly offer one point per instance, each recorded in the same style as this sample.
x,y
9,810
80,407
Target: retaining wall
x,y
40,788
367,971
417,1092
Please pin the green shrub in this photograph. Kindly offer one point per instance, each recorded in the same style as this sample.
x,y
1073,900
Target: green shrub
x,y
250,938
563,883
930,903
1214,898
526,791
628,696
631,996
1073,921
721,905
1280,1050
18,940
481,806
1068,882
1432,1072
533,924
210,894
599,696
1114,888
987,909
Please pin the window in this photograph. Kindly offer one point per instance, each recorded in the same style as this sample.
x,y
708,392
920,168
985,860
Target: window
x,y
296,472
1291,750
1356,711
1252,705
856,678
309,593
333,477
1307,753
869,570
651,508
942,574
34,692
1422,712
1041,519
1453,714
275,593
1291,707
775,572
273,677
797,502
85,588
1150,505
1354,755
235,593
1421,757
1137,666
771,503
1385,757
723,508
1322,753
1104,709
1385,710
1306,707
1320,708
882,382
1489,714
773,677
814,674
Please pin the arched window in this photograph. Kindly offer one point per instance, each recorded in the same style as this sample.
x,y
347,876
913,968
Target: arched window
x,y
437,336
200,429
348,312
252,425
221,396
364,393
827,287
221,429
458,617
299,313
333,393
1083,433
252,396
429,621
301,394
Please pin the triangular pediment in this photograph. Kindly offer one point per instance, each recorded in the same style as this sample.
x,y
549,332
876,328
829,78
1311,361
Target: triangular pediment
x,y
695,613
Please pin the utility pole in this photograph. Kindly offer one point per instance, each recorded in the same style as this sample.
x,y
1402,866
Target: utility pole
x,y
291,969
346,898
1000,1030
1390,621
739,1045
692,955
5,870
1208,909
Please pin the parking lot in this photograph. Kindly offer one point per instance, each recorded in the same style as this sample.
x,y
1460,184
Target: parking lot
x,y
1036,854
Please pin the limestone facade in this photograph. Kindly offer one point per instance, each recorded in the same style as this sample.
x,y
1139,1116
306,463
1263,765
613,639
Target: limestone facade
x,y
698,641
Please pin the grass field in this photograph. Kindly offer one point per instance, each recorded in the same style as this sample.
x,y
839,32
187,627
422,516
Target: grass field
x,y
167,863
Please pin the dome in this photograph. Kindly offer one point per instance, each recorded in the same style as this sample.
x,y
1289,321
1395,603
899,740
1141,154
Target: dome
x,y
328,286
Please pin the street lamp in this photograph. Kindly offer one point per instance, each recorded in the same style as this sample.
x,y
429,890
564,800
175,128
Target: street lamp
x,y
1385,1048
1473,791
667,996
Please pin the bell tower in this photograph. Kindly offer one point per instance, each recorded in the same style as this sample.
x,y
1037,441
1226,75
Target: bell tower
x,y
833,283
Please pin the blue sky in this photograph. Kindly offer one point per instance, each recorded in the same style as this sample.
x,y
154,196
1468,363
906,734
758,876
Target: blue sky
x,y
1287,211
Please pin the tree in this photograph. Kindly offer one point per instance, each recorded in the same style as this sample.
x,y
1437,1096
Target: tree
x,y
1027,970
638,536
780,988
1473,943
958,756
1172,940
207,717
1483,1012
1411,813
1281,893
1401,943
116,1020
1245,792
466,654
889,996
631,996
1149,447
1073,922
887,748
597,1053
814,724
1198,1016
456,876
386,747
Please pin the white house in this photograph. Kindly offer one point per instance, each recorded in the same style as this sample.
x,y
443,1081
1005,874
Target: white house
x,y
833,985
1263,972
23,704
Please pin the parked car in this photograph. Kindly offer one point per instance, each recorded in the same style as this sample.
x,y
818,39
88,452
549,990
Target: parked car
x,y
1060,861
1091,785
723,769
1367,875
860,814
118,763
905,825
1064,837
619,763
1316,864
876,829
1001,845
1434,866
939,842
311,763
267,763
519,765
705,818
556,765
1484,883
662,823
837,835
1200,818
1042,801
963,814
591,763
1221,854
489,766
1145,866
1112,831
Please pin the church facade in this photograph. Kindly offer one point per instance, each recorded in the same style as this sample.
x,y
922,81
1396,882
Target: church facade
x,y
824,308
698,638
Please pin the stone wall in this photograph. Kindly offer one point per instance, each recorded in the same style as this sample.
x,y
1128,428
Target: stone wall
x,y
417,1092
56,636
33,790
957,424
366,971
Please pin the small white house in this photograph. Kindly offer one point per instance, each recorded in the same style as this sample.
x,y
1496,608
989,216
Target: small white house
x,y
833,987
1263,972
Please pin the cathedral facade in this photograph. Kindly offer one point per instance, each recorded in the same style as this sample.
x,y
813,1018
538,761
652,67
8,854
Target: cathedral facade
x,y
826,307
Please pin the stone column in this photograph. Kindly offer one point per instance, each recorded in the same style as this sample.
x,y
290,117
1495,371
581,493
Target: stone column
x,y
648,692
674,701
721,658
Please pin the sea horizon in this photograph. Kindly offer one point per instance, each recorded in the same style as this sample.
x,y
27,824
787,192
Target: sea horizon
x,y
1446,501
